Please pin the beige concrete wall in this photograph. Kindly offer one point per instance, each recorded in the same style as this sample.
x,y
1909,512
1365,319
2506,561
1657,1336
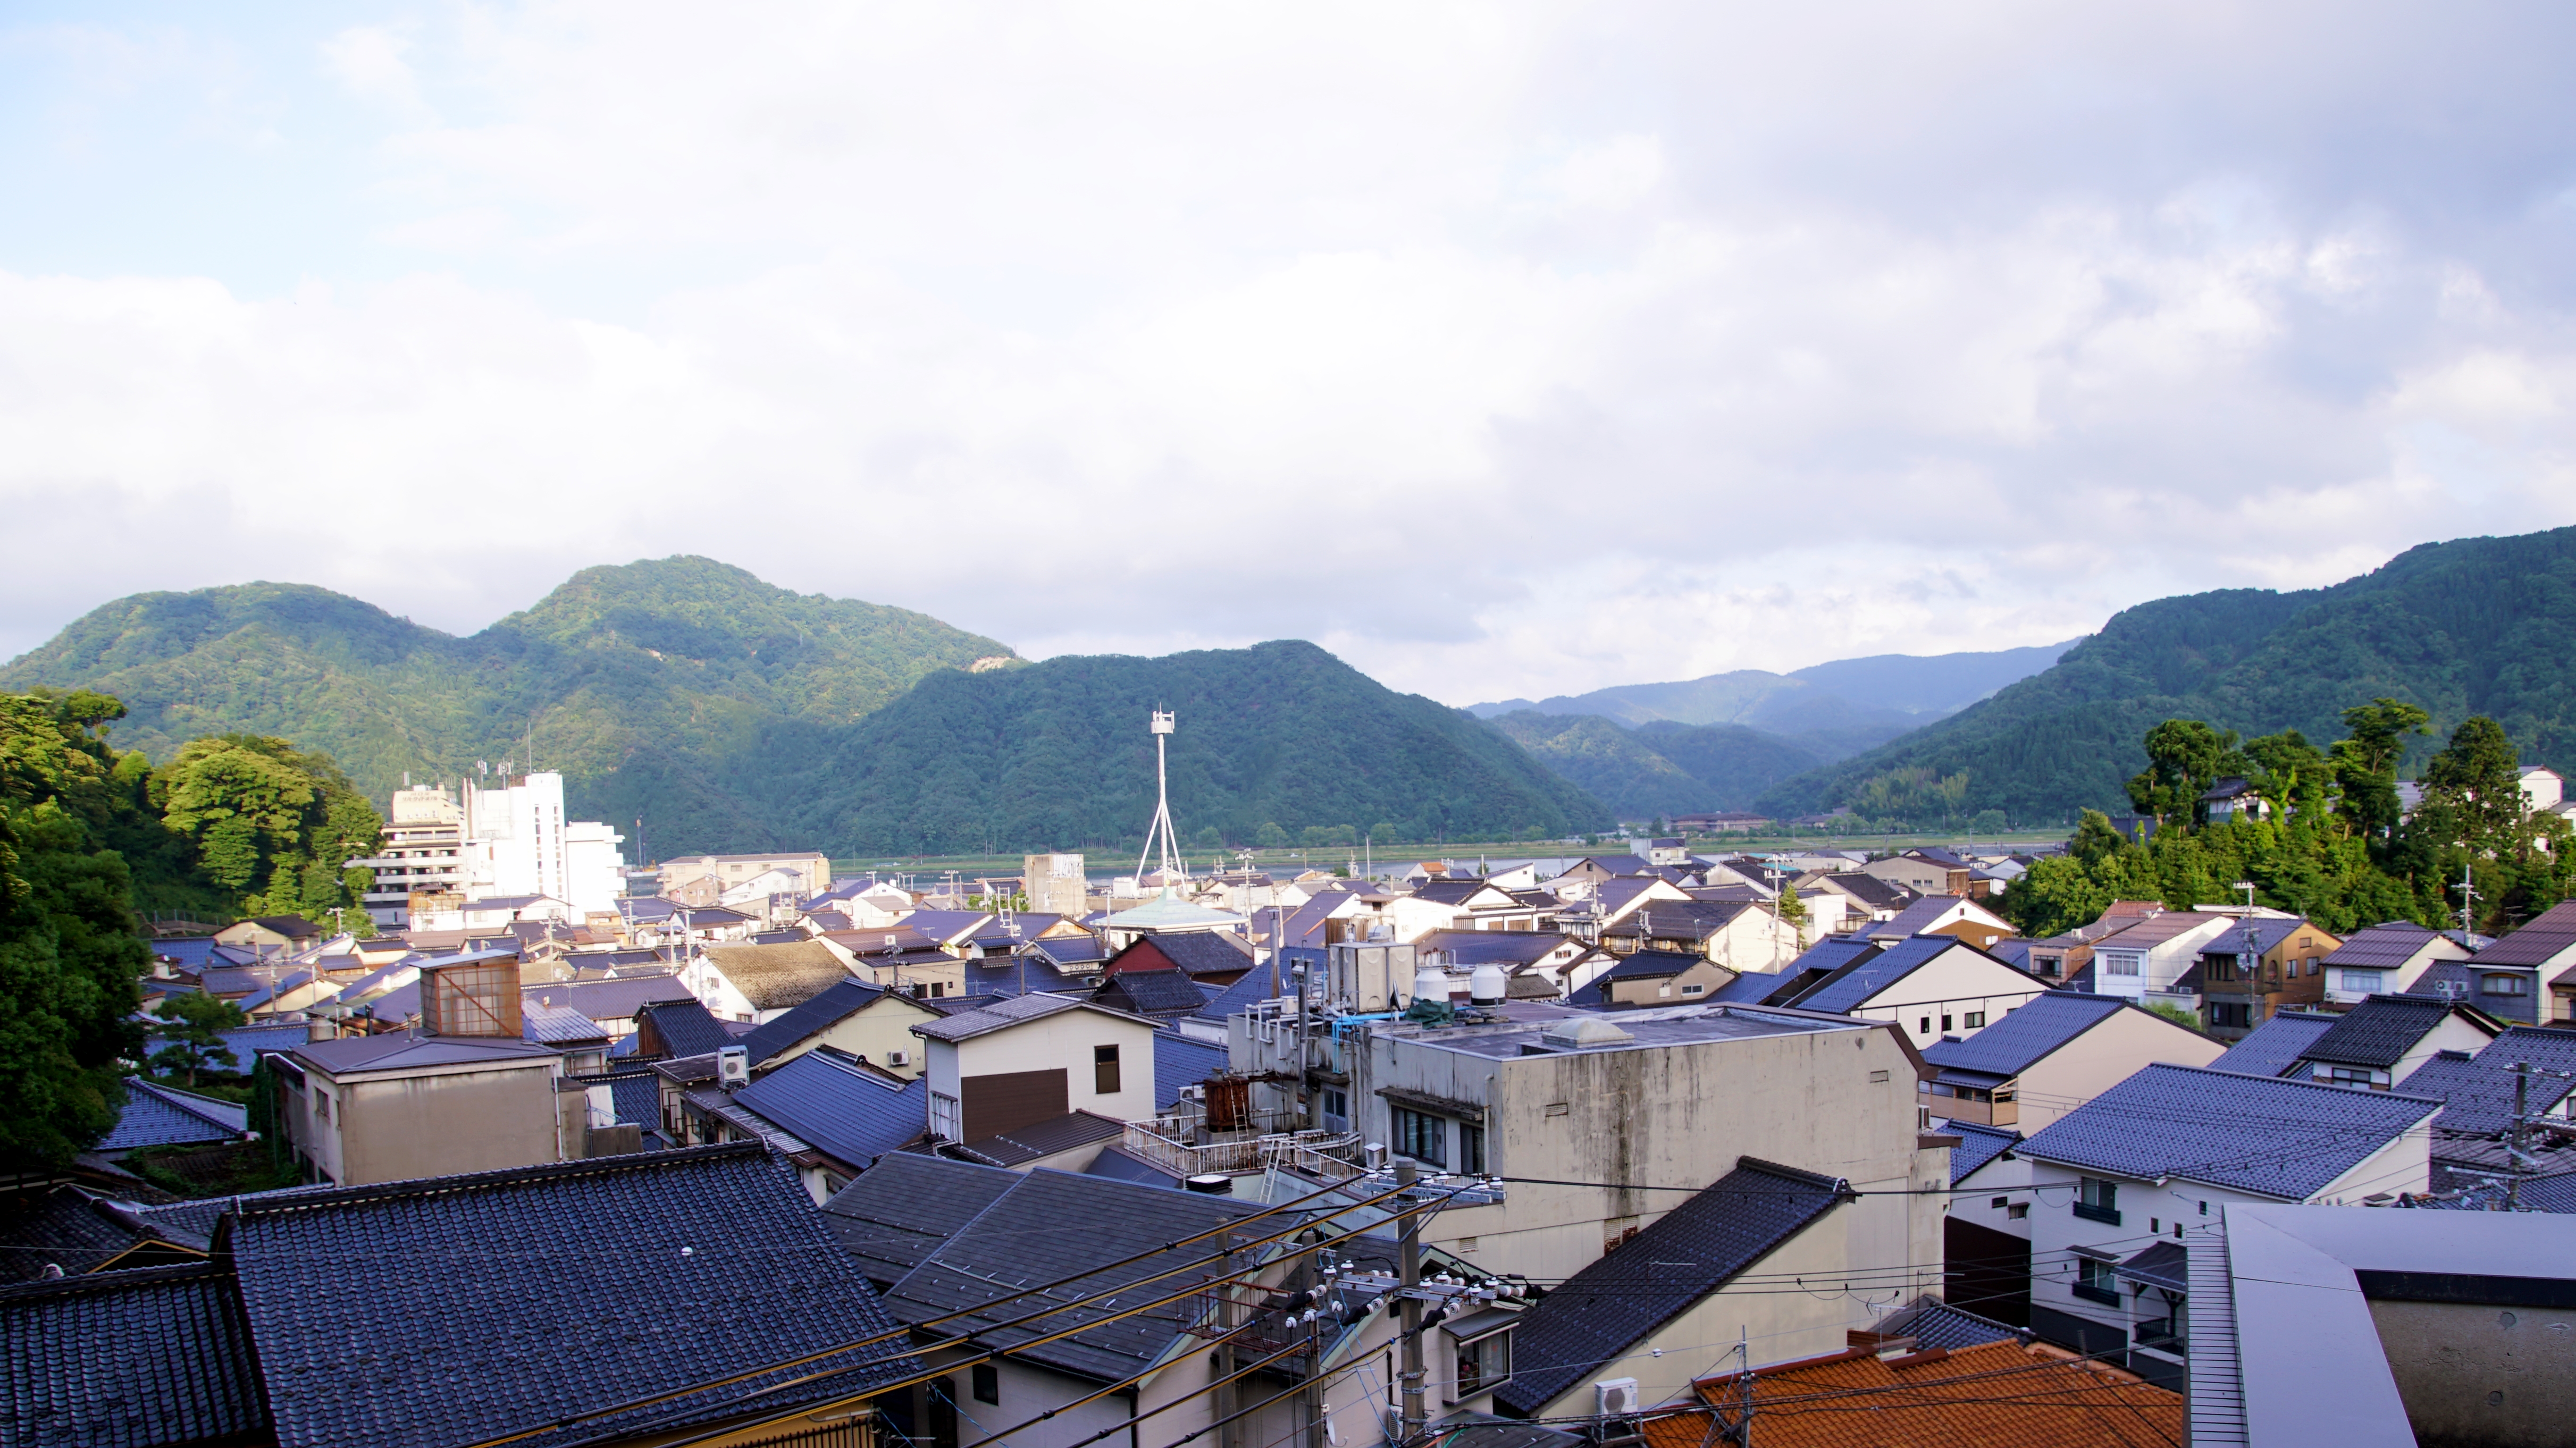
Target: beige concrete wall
x,y
395,1128
2473,1373
2403,1165
2118,1047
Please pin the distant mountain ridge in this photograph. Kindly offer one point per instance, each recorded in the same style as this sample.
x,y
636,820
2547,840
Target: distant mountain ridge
x,y
1883,691
1660,768
2472,626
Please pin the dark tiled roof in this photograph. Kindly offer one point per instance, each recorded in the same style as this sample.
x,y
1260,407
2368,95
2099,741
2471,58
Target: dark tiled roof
x,y
1152,992
1677,919
1651,965
2282,1139
1754,988
1021,1145
246,1042
838,1107
637,1095
836,1003
2276,1045
687,1028
1119,1166
2160,1265
72,1229
1021,1240
2026,1035
1977,1146
901,1209
1934,1323
1180,1061
1847,988
1922,915
2268,932
166,1116
1501,947
1200,952
743,1272
1603,1310
2541,941
1871,891
1263,982
2013,951
2379,1031
127,1360
2478,1089
2384,946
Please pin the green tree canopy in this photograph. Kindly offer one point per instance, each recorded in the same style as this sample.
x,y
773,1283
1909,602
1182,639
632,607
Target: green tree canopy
x,y
2185,757
273,827
193,1023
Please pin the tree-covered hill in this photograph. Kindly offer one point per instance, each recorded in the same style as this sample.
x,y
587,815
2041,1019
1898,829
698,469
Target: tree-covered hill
x,y
663,689
1280,734
2478,626
1661,768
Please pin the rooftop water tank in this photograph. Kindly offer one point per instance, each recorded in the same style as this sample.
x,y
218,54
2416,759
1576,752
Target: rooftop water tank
x,y
1431,983
1488,985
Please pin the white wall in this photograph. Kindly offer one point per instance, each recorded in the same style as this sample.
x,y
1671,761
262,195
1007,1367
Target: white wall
x,y
1952,985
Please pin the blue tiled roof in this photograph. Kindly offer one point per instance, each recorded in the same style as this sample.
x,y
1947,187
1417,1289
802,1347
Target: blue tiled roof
x,y
508,1300
164,1116
246,1043
2283,1139
2478,1090
190,951
2268,932
686,1027
2274,1046
1753,987
836,1003
1977,1146
840,1109
126,1360
1832,953
1180,1061
1268,981
1847,988
1689,1252
638,1097
1933,1323
1119,1166
2379,1031
2025,1035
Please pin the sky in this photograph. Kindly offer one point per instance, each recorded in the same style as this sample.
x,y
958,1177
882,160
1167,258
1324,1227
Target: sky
x,y
1502,348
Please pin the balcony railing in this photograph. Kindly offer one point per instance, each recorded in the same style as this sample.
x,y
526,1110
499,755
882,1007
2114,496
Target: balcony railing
x,y
1328,1154
2107,1296
2158,1333
2108,1216
2006,1112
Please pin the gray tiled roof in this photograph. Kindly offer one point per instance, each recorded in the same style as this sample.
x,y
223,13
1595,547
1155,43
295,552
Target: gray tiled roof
x,y
1199,952
836,1003
2379,1031
840,1108
687,1028
2268,932
1847,988
166,1116
2283,1139
1181,1061
1934,1323
1024,1144
2478,1089
2384,946
1152,992
126,1360
1005,1013
1609,1306
2543,940
2274,1046
901,1209
1119,1166
1977,1146
1917,917
2027,1035
543,1264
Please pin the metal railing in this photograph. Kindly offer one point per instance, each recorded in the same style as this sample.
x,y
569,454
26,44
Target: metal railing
x,y
1328,1154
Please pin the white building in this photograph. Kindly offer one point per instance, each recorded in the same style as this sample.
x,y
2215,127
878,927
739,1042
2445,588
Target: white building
x,y
516,842
422,852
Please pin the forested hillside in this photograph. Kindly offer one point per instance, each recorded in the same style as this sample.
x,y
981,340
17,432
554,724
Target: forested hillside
x,y
2480,626
1281,735
668,689
1661,768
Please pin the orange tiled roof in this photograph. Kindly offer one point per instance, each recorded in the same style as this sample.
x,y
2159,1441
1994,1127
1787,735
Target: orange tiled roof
x,y
2000,1395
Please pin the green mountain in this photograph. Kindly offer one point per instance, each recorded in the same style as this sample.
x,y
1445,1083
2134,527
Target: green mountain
x,y
1057,753
1660,768
1880,696
669,690
2475,626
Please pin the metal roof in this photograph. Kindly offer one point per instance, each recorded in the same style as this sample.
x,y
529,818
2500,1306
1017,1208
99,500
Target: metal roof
x,y
1003,1014
1168,912
2275,1138
403,1051
2027,1034
1024,1144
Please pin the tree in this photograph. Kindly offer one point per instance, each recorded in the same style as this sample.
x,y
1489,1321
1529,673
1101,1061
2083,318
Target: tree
x,y
2290,774
193,1023
1987,822
2474,780
1793,909
2365,764
273,827
2185,757
1271,837
69,954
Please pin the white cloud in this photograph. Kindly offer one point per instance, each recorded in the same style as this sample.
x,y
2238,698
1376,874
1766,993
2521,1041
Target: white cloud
x,y
1505,350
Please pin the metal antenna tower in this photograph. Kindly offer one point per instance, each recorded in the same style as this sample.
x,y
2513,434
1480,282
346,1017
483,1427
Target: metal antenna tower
x,y
1160,831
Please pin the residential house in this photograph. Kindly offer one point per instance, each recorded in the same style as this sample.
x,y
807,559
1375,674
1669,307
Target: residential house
x,y
1864,895
271,935
2166,1151
1985,1232
1658,1309
1033,1058
1166,914
2266,965
1924,873
2273,1047
614,1003
2064,957
811,868
1653,978
2385,958
760,983
2509,993
825,1112
1917,1381
1461,905
1943,915
157,1115
1530,955
1740,935
850,1016
2473,1154
2234,798
1209,957
671,1030
1667,851
2147,961
388,1107
2050,1055
1158,995
2546,946
2427,1317
2385,1038
1929,985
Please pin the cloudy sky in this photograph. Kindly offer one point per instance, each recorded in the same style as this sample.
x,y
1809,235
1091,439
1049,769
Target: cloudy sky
x,y
1502,348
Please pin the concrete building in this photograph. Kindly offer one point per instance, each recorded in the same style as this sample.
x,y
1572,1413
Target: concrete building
x,y
720,873
505,842
423,853
1054,884
1033,1058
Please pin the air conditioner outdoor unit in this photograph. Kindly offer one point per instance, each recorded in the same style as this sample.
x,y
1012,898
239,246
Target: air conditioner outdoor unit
x,y
1615,1398
898,1058
733,1066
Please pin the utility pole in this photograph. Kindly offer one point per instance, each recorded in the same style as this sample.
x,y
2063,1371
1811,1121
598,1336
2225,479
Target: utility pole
x,y
2514,1155
1228,1393
1408,1253
2468,896
1305,1064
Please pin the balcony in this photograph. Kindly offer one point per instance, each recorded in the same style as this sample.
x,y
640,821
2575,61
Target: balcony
x,y
2158,1334
2107,1216
1976,1107
2107,1296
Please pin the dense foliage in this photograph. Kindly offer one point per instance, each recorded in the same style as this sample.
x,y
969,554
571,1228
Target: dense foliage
x,y
1660,768
69,954
1282,734
272,828
2330,847
2480,626
666,690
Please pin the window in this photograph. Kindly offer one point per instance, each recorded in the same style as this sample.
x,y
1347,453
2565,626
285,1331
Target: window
x,y
1973,1019
1692,990
1471,1149
2097,1200
1945,1023
2000,1203
1104,1070
2361,981
2359,1078
2094,1281
943,1117
2119,962
2020,1212
2229,1014
1421,1137
2503,985
988,1383
1925,1028
1484,1364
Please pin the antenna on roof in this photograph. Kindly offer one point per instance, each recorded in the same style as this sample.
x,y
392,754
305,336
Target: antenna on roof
x,y
1160,831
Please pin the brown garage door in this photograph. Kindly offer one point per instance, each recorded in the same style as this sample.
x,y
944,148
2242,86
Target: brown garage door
x,y
1009,1100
